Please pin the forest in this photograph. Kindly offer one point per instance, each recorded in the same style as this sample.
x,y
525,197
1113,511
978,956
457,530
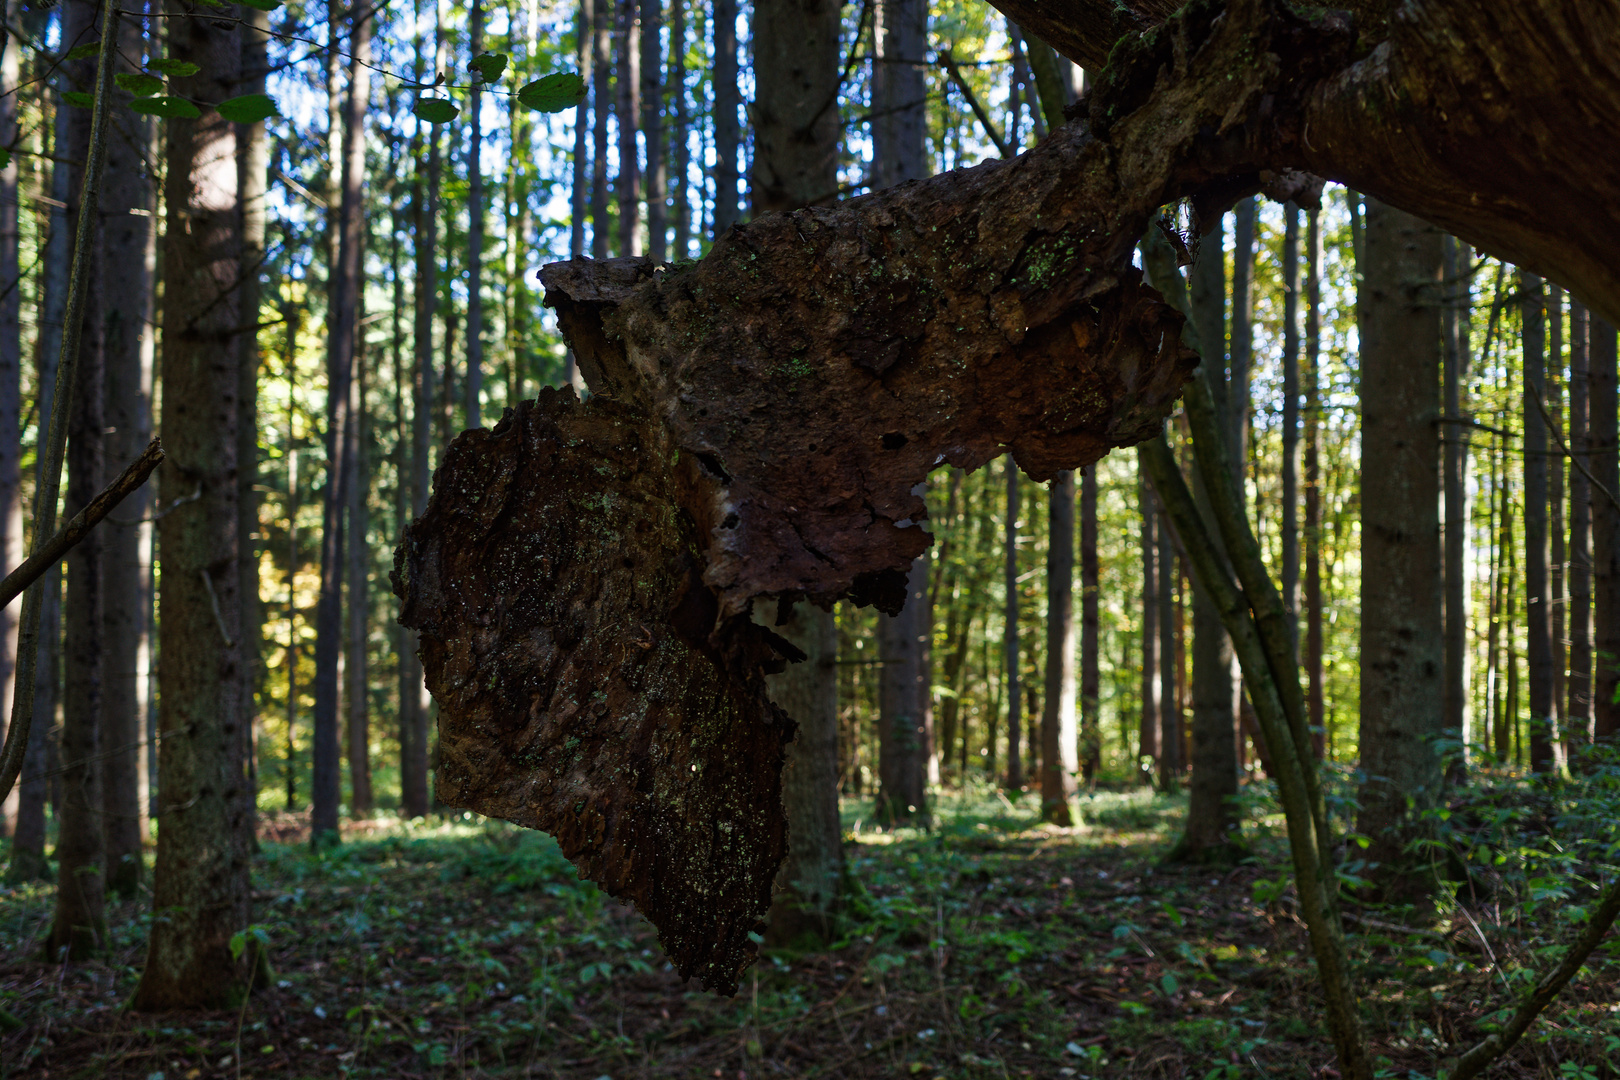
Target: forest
x,y
752,538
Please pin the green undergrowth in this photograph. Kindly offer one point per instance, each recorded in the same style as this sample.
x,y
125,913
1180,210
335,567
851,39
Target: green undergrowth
x,y
987,946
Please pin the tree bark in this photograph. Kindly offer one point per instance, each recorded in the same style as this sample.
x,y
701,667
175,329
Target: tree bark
x,y
681,131
1147,745
906,709
126,568
899,93
652,127
1090,631
473,385
1170,671
1061,755
1010,644
1578,715
11,515
1455,488
1314,694
1401,625
579,199
1289,527
627,108
602,107
1537,542
201,876
1603,402
1556,524
356,668
326,786
79,929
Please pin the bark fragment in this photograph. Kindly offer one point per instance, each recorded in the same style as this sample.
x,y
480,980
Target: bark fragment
x,y
588,684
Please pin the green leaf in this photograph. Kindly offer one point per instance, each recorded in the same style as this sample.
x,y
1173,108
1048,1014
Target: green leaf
x,y
1169,984
83,52
489,66
5,158
78,99
238,944
166,106
248,109
554,93
139,85
435,110
262,5
179,69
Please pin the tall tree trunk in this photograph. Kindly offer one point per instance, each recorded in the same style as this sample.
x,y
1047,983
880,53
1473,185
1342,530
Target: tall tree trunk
x,y
356,668
326,793
1169,659
1237,383
627,83
727,136
1604,455
253,177
602,108
1015,704
680,131
579,198
126,613
1148,737
796,60
473,385
1555,521
899,93
1090,631
415,713
906,707
201,877
1537,546
1211,826
1314,696
652,126
11,519
1401,632
79,927
1578,723
28,838
1455,485
1061,756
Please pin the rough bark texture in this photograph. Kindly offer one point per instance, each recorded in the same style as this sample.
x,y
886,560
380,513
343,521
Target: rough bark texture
x,y
201,876
1058,746
795,110
1401,625
588,682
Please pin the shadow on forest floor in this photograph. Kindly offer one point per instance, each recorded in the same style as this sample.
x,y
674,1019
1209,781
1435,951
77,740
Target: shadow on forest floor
x,y
991,947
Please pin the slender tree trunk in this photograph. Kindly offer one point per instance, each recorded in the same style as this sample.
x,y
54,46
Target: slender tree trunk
x,y
1537,546
1237,383
356,667
1061,755
126,617
327,791
627,106
727,137
11,519
1290,411
1455,485
201,877
680,131
1555,521
1090,630
473,385
1148,736
1401,632
1578,725
79,928
1015,704
1604,442
1314,699
602,107
899,92
1169,660
906,706
579,190
652,127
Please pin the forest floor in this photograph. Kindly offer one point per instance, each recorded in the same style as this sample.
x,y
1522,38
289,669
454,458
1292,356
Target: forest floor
x,y
990,947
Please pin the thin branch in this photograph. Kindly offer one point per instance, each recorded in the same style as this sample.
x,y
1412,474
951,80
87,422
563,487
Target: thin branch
x,y
1535,392
949,64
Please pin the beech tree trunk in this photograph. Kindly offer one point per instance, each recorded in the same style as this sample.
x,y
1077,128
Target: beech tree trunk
x,y
1402,656
1537,543
201,876
1578,714
326,784
127,206
1059,762
11,519
1455,486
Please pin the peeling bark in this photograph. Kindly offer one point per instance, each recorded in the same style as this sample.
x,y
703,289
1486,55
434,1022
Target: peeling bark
x,y
588,684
